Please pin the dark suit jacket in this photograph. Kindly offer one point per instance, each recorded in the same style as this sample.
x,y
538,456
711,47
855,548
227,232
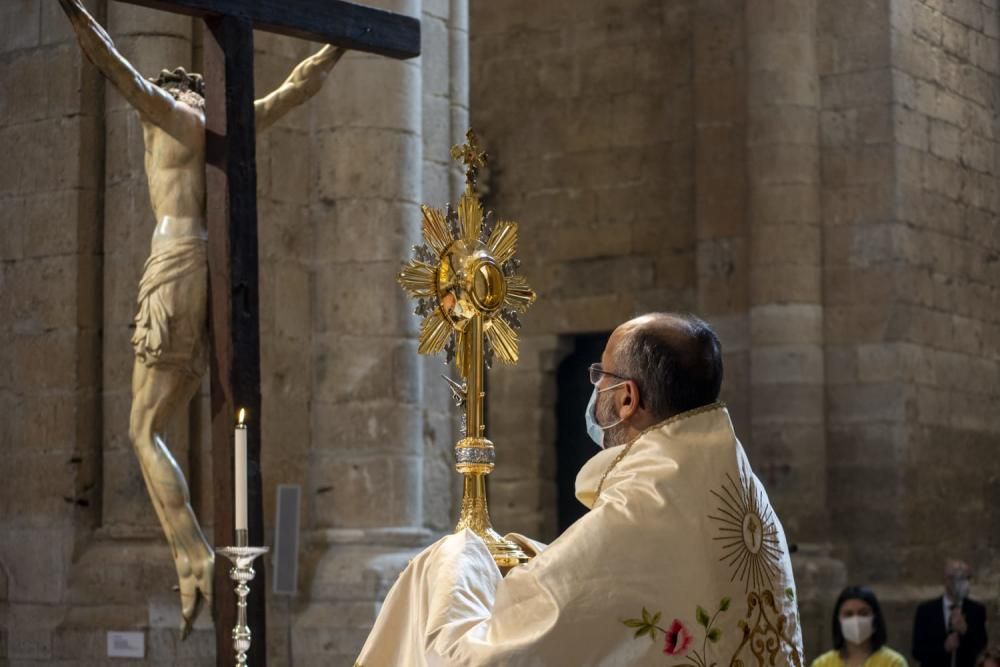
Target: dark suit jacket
x,y
930,631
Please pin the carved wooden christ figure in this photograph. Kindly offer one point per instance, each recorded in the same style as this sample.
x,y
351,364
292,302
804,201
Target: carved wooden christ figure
x,y
170,338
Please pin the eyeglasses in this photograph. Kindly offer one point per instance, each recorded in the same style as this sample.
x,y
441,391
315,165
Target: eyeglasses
x,y
596,371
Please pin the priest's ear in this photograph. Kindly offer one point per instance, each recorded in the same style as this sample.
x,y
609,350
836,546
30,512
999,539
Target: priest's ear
x,y
628,401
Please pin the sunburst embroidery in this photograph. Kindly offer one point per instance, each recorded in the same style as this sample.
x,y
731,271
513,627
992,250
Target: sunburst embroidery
x,y
748,532
751,546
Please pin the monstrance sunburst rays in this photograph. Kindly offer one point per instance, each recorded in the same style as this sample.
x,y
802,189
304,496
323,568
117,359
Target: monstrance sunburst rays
x,y
748,532
466,267
464,278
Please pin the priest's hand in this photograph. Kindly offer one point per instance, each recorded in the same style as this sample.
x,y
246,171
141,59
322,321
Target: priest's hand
x,y
529,546
952,642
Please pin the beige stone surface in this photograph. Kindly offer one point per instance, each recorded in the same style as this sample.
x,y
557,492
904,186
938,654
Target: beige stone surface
x,y
338,187
818,179
832,189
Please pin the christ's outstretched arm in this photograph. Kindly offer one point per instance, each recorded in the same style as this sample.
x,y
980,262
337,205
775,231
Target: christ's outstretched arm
x,y
304,82
155,104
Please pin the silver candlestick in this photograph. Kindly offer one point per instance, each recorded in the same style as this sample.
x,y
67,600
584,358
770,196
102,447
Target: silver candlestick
x,y
242,558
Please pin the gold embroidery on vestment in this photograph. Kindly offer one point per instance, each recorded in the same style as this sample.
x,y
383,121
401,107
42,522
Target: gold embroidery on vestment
x,y
670,420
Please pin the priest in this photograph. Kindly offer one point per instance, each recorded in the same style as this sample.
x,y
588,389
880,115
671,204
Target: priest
x,y
680,561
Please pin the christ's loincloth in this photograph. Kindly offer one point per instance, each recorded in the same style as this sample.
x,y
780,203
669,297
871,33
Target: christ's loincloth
x,y
170,327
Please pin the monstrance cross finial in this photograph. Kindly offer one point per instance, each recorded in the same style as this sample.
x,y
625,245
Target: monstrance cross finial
x,y
471,156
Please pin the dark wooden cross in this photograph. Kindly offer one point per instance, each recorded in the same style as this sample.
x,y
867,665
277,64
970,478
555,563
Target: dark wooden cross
x,y
231,179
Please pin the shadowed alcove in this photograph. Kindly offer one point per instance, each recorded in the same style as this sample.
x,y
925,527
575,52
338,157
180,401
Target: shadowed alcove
x,y
573,445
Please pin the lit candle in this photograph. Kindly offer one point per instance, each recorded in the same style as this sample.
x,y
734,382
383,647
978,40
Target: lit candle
x,y
240,476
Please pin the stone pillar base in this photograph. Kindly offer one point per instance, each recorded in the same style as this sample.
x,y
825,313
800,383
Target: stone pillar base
x,y
819,578
344,578
125,581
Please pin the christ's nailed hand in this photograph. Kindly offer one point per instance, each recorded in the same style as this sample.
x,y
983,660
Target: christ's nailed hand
x,y
72,7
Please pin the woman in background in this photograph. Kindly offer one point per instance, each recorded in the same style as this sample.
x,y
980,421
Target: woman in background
x,y
859,633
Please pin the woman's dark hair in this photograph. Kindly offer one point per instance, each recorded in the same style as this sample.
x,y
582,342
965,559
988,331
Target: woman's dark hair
x,y
866,595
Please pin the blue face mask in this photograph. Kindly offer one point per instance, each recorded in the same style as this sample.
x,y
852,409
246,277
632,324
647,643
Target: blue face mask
x,y
595,430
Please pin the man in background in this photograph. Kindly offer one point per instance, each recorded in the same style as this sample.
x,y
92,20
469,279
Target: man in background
x,y
950,631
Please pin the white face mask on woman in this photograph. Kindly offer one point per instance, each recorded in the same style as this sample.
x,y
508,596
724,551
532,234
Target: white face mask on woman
x,y
856,629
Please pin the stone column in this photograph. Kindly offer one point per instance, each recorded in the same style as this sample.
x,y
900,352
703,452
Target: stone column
x,y
287,233
866,392
458,63
50,263
786,301
720,165
365,419
363,493
287,262
786,311
445,80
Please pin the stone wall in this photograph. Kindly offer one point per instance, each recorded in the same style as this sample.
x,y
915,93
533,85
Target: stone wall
x,y
942,331
911,285
347,413
590,157
51,117
818,179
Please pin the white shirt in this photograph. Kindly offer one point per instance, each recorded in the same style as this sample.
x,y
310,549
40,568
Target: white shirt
x,y
947,602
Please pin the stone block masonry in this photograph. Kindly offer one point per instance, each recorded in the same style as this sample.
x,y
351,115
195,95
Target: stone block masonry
x,y
818,180
348,414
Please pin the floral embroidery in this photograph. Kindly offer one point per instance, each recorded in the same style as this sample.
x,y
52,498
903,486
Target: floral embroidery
x,y
677,639
750,543
647,625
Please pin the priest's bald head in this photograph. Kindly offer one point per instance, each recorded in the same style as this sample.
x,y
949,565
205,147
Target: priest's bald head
x,y
654,367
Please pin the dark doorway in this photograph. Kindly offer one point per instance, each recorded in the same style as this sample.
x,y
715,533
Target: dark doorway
x,y
573,446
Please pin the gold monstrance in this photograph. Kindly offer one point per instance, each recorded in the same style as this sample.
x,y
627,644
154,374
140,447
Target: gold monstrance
x,y
464,277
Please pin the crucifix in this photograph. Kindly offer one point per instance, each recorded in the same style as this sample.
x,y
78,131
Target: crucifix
x,y
200,162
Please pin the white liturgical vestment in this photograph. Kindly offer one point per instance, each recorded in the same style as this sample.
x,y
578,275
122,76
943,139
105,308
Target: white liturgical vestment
x,y
680,561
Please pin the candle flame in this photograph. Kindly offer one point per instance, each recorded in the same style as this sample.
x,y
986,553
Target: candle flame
x,y
243,417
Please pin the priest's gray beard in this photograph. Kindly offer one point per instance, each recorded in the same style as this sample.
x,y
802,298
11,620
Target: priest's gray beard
x,y
605,414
